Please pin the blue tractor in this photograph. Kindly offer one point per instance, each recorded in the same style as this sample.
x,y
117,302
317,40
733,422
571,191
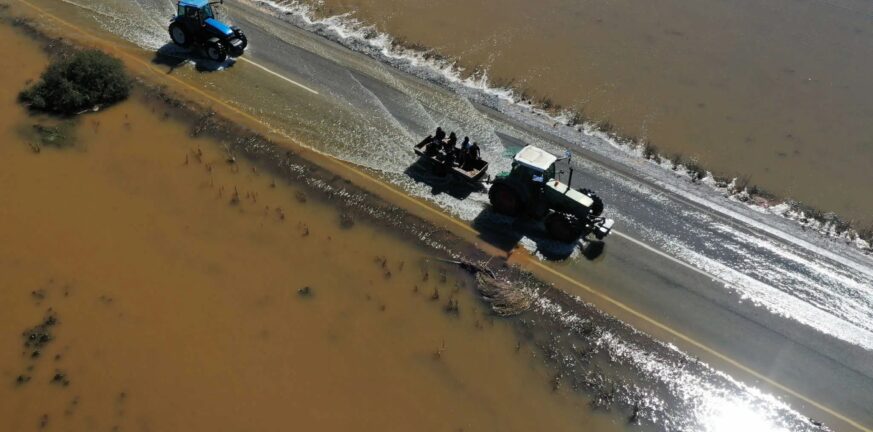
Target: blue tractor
x,y
195,25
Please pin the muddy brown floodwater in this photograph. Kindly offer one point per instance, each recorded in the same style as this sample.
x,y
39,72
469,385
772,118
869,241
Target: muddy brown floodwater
x,y
148,284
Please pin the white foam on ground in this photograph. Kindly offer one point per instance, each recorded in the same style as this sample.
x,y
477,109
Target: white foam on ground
x,y
717,401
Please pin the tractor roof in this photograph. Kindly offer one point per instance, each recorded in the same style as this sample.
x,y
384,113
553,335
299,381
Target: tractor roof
x,y
194,3
535,158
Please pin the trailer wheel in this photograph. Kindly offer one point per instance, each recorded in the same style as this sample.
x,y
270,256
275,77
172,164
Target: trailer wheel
x,y
179,35
504,199
563,227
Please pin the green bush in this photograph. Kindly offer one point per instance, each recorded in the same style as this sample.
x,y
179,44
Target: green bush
x,y
79,82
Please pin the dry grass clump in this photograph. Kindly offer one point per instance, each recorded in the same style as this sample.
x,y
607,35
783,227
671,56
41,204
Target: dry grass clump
x,y
505,300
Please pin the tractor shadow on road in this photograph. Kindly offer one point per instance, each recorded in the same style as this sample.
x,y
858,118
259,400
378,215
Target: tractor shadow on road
x,y
506,233
173,57
422,172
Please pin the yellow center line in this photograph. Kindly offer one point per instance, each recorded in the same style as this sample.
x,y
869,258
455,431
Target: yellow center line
x,y
465,227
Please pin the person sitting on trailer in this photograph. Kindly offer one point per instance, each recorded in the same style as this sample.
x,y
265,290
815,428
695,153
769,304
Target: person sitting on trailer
x,y
465,148
449,146
440,135
473,154
430,146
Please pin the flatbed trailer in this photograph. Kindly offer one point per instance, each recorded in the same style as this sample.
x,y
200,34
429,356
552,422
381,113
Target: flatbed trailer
x,y
471,171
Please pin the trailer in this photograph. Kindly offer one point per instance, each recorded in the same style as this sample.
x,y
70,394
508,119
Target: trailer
x,y
471,171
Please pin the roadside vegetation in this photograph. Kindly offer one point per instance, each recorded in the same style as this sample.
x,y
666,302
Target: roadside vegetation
x,y
83,81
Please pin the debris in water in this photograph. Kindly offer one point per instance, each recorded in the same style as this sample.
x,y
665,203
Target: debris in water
x,y
505,300
436,295
304,292
300,196
438,354
38,295
22,379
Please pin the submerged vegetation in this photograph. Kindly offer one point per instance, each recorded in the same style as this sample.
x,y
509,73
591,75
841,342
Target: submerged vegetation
x,y
79,82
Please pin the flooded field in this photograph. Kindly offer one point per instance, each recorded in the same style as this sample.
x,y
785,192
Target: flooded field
x,y
776,91
149,284
289,273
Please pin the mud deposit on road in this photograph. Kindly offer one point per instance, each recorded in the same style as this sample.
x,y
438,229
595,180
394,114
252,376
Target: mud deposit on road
x,y
151,278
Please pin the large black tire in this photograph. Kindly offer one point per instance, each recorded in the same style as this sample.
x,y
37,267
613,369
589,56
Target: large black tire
x,y
563,227
180,36
242,37
505,199
597,207
216,51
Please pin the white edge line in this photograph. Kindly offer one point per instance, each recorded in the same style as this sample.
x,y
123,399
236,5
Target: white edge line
x,y
279,75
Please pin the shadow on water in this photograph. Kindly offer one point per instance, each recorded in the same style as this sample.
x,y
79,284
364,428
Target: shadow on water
x,y
423,172
173,56
505,233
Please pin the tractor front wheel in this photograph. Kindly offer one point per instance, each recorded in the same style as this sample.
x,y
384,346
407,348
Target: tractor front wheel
x,y
179,36
563,227
597,206
242,37
505,199
216,51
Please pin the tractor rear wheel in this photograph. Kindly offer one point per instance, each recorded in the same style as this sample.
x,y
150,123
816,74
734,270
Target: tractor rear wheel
x,y
179,36
505,199
216,51
563,227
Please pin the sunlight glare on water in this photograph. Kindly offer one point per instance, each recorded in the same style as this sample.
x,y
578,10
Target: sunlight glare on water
x,y
730,415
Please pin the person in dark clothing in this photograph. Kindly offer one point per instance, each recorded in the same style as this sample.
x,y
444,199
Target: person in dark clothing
x,y
473,153
440,134
449,146
465,148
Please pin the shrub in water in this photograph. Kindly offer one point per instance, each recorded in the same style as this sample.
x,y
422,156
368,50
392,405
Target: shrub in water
x,y
84,80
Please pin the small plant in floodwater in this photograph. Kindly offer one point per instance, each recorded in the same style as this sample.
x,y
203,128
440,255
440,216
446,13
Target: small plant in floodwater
x,y
347,221
676,160
695,170
50,134
650,151
80,82
22,379
60,378
576,119
234,200
452,307
605,126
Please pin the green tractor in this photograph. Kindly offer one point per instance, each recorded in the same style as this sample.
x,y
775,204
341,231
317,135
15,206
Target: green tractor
x,y
532,189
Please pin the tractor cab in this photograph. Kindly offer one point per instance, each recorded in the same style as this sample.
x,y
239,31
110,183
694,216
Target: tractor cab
x,y
539,164
195,24
532,189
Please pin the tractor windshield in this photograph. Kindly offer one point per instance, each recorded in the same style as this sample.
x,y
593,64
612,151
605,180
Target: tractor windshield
x,y
207,12
549,173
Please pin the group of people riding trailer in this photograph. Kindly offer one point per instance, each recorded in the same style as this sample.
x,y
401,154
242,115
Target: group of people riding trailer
x,y
447,157
464,157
